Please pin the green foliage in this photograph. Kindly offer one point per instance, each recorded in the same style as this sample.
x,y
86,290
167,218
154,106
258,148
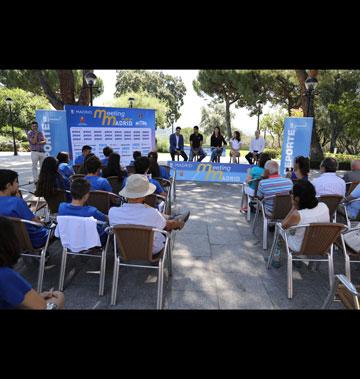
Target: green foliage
x,y
20,134
274,153
186,132
168,88
145,101
274,125
212,117
163,145
23,109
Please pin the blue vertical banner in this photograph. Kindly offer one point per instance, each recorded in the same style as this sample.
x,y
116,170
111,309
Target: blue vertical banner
x,y
53,124
122,129
297,141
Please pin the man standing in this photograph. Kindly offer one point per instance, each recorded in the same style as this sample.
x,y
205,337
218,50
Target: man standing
x,y
196,140
37,141
177,144
257,146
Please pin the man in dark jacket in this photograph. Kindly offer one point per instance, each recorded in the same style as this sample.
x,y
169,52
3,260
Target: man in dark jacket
x,y
177,144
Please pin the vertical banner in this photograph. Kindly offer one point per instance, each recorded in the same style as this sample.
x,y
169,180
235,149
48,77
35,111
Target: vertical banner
x,y
123,129
297,141
53,124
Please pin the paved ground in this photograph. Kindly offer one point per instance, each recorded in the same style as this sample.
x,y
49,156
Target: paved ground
x,y
217,262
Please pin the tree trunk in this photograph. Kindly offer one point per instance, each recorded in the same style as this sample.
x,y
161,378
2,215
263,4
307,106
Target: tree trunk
x,y
84,97
49,93
228,118
67,86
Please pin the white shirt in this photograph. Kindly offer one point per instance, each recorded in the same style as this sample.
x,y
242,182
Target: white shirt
x,y
235,144
177,141
318,214
140,214
257,144
329,184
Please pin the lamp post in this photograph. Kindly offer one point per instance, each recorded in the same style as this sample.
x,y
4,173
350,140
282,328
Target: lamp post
x,y
172,118
259,104
9,101
310,85
90,78
131,101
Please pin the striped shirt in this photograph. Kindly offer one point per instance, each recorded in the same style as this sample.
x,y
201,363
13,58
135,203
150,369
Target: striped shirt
x,y
273,186
36,146
329,184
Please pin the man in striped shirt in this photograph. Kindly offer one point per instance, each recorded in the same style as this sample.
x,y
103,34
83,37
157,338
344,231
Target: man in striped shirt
x,y
273,185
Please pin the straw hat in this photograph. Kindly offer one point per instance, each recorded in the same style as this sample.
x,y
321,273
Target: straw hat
x,y
137,186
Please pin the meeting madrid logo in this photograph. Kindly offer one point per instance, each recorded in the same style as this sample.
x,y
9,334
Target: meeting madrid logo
x,y
110,120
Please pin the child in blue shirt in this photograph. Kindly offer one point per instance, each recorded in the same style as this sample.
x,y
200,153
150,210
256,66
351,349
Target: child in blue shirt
x,y
86,150
64,168
80,189
93,166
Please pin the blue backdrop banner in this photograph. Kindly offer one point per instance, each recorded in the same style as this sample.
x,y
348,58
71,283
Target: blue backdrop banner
x,y
210,172
53,124
297,141
123,129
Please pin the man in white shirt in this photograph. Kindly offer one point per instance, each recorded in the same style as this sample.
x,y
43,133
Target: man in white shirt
x,y
328,183
135,212
257,146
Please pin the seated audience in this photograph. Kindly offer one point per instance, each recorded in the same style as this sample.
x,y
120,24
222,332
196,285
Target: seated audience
x,y
301,169
106,151
135,212
273,185
86,150
80,189
136,155
12,205
142,166
155,170
328,183
64,168
83,170
93,166
354,174
353,209
15,291
113,167
255,172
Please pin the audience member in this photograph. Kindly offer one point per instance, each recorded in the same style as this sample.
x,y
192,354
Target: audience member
x,y
12,205
354,174
156,170
113,167
106,151
301,169
235,146
136,155
93,166
37,141
64,168
83,169
353,209
85,151
257,146
328,183
15,291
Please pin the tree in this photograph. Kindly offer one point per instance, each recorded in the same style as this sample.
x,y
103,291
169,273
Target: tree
x,y
167,88
145,101
214,116
274,124
60,87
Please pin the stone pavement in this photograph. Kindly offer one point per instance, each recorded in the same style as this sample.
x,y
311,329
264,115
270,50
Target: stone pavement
x,y
218,263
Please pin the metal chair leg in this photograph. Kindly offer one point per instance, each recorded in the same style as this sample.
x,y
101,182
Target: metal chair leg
x,y
331,268
265,230
159,285
62,269
170,260
255,218
347,266
331,295
102,272
115,282
41,271
276,237
290,276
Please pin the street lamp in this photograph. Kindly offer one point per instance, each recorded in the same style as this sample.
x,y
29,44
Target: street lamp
x,y
90,78
310,85
172,118
259,105
131,101
9,102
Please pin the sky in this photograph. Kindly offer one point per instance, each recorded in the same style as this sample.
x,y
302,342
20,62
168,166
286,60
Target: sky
x,y
191,110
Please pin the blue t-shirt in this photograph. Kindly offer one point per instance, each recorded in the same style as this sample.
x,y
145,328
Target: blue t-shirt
x,y
13,288
105,161
158,190
13,206
163,173
66,209
65,170
255,172
80,159
354,208
98,183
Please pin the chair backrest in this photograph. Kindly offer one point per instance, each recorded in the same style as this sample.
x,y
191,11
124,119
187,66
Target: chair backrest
x,y
76,168
163,182
151,200
100,200
76,176
167,168
332,202
282,206
22,234
115,183
54,201
319,237
135,242
351,186
130,169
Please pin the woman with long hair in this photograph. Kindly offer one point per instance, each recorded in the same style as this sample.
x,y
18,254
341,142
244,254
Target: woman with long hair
x,y
50,179
113,167
216,142
235,146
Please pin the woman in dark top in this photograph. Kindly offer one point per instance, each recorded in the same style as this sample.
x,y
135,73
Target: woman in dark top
x,y
216,142
50,179
154,169
301,169
113,167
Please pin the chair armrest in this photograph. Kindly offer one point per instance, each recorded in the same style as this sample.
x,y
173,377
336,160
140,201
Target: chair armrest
x,y
164,232
27,191
38,224
349,230
348,285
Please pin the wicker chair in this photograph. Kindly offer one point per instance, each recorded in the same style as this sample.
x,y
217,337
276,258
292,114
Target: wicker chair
x,y
332,202
318,241
347,293
281,208
132,247
116,183
350,186
130,170
76,176
103,200
26,247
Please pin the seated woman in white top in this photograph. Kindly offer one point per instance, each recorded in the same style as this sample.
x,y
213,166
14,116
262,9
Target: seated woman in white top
x,y
235,144
306,209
